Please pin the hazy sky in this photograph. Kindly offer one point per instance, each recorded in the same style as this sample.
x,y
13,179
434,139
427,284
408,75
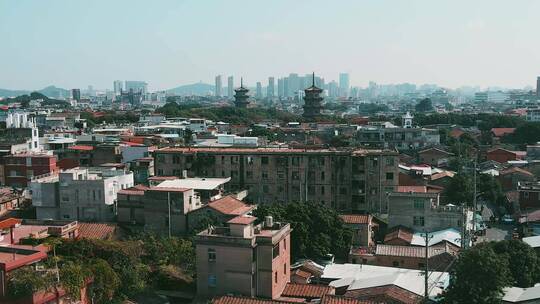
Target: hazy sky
x,y
74,43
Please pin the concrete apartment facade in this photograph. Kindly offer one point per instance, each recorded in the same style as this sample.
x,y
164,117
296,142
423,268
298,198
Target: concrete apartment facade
x,y
422,212
84,194
347,180
243,258
149,206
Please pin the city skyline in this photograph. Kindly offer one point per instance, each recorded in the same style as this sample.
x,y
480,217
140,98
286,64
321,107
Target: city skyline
x,y
465,46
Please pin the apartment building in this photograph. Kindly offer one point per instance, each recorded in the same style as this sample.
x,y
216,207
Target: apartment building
x,y
19,169
85,194
348,180
243,258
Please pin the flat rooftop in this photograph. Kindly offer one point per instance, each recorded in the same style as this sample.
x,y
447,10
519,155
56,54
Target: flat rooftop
x,y
196,183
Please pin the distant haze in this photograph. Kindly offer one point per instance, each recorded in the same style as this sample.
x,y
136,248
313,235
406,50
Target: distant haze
x,y
73,44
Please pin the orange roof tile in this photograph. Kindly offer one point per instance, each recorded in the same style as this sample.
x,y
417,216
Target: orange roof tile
x,y
10,223
307,290
100,231
356,218
81,148
242,220
230,205
244,300
385,294
344,300
499,132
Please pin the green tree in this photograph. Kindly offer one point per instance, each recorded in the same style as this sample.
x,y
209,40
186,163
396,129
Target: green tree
x,y
317,229
479,276
105,281
25,281
523,263
424,105
73,277
460,190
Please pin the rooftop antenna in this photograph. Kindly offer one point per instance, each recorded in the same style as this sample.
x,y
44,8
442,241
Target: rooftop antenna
x,y
241,82
313,80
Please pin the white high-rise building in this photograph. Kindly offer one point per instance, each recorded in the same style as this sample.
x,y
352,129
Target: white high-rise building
x,y
270,88
344,85
230,87
258,92
218,87
118,87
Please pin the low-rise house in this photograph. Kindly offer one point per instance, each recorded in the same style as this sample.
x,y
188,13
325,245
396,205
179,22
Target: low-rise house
x,y
421,211
510,178
367,282
9,199
219,212
363,227
502,155
159,209
434,157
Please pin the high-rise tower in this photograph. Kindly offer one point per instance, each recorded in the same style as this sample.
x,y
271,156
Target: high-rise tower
x,y
312,100
241,96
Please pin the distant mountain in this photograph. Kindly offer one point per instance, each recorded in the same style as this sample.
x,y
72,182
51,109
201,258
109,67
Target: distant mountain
x,y
193,89
12,93
50,91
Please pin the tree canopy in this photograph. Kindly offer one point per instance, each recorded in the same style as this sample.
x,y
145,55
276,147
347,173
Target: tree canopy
x,y
317,229
424,105
481,272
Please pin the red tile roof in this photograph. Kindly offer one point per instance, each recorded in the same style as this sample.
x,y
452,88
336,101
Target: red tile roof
x,y
411,251
356,218
100,231
244,300
242,220
385,294
499,132
301,273
10,223
344,300
307,291
81,148
401,233
230,206
135,190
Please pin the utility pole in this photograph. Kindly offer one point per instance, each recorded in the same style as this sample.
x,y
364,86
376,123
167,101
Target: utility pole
x,y
427,237
169,203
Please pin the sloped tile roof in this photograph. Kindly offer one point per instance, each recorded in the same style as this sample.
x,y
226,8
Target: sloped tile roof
x,y
100,231
306,290
230,206
356,218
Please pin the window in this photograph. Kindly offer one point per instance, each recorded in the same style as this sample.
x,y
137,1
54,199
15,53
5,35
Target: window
x,y
395,264
343,190
418,204
322,175
526,194
295,175
160,171
212,280
285,268
176,159
275,251
418,221
322,190
281,175
421,265
264,175
275,277
264,160
389,161
211,255
389,175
